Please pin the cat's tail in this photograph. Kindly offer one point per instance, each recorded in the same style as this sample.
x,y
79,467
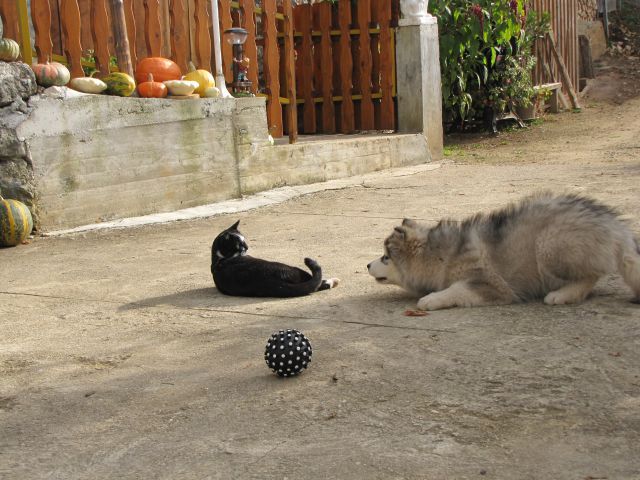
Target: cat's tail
x,y
314,282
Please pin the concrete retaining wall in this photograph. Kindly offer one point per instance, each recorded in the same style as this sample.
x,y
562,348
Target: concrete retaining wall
x,y
98,158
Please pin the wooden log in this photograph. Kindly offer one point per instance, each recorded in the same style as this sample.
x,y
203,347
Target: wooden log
x,y
41,18
152,28
347,114
70,15
123,52
324,21
586,60
271,68
179,34
290,72
101,35
566,79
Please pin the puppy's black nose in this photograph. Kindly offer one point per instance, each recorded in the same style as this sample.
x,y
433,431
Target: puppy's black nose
x,y
369,266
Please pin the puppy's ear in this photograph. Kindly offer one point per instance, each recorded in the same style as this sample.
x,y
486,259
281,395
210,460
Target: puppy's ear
x,y
234,226
407,222
400,232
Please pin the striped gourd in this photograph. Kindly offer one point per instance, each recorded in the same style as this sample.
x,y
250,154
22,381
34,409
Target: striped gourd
x,y
16,222
119,83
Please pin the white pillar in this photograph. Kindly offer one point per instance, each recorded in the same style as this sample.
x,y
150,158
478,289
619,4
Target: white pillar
x,y
418,78
215,19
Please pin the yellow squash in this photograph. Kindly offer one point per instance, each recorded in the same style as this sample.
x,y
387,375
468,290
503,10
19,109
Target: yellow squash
x,y
203,77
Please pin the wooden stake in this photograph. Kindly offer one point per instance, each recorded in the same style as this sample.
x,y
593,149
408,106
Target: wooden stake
x,y
566,79
563,99
120,37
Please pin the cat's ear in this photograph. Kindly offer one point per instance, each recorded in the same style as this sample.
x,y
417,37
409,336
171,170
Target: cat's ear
x,y
234,226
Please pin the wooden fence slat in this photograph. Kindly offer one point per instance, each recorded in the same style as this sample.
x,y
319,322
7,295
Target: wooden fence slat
x,y
152,28
100,32
347,118
203,38
324,23
41,19
247,7
355,73
70,16
9,14
131,29
290,73
272,67
226,22
375,61
387,106
563,23
179,34
304,18
365,65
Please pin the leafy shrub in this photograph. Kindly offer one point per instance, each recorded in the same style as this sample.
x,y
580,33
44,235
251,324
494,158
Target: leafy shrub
x,y
485,54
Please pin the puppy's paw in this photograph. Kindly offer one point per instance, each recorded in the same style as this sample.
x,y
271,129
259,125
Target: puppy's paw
x,y
433,301
559,298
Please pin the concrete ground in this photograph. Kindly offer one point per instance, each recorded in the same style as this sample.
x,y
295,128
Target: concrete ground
x,y
120,360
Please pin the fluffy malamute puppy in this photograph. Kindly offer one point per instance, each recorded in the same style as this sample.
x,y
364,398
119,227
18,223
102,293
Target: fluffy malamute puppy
x,y
546,246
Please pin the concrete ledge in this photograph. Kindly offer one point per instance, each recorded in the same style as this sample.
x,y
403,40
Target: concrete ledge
x,y
101,158
328,159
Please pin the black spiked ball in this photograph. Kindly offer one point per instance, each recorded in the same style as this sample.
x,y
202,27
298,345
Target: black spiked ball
x,y
288,353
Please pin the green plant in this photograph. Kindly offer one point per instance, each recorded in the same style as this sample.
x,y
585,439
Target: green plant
x,y
510,85
484,44
89,63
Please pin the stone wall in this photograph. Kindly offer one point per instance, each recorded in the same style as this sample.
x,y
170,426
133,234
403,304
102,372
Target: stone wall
x,y
17,84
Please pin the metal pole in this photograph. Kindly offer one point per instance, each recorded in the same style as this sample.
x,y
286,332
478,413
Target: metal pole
x,y
215,19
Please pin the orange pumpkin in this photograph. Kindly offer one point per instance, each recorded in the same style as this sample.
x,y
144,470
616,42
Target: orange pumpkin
x,y
161,68
151,89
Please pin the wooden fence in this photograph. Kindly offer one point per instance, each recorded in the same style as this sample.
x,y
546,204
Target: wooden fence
x,y
331,65
564,18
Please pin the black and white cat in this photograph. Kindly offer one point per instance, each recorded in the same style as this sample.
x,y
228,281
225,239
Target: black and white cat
x,y
238,274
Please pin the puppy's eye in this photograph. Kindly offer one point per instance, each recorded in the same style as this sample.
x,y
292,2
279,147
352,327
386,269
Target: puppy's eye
x,y
385,259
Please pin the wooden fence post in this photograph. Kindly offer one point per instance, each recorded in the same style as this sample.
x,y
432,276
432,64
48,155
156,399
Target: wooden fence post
x,y
100,33
70,16
290,73
326,72
347,117
153,28
272,68
120,37
41,18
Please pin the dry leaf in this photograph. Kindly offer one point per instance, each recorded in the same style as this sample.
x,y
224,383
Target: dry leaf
x,y
415,313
